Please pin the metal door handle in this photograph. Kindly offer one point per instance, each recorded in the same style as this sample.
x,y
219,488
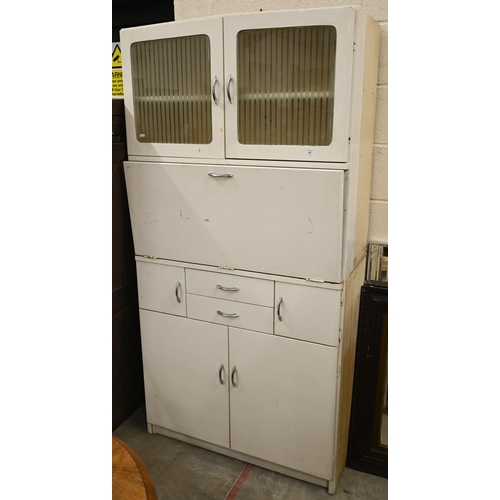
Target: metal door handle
x,y
220,373
177,287
214,83
279,308
228,315
228,289
229,80
211,174
232,376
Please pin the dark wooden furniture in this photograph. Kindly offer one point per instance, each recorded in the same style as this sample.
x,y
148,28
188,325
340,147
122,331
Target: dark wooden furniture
x,y
128,382
366,451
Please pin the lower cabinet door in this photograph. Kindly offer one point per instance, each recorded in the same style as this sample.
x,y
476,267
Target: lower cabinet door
x,y
186,376
282,400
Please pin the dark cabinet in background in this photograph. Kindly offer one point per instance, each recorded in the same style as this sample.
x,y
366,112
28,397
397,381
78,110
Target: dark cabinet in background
x,y
368,433
128,382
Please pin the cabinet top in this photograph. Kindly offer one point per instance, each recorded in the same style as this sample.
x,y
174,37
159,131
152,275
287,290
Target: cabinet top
x,y
270,13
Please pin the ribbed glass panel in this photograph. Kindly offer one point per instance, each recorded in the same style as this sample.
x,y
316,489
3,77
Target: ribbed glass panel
x,y
285,85
171,89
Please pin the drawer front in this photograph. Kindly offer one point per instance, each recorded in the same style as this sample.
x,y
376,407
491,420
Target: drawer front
x,y
307,313
230,287
249,317
161,288
281,221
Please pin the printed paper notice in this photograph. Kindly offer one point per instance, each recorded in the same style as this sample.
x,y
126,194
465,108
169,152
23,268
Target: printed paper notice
x,y
116,70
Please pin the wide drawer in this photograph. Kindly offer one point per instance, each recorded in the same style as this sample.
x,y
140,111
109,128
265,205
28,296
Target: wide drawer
x,y
230,313
230,287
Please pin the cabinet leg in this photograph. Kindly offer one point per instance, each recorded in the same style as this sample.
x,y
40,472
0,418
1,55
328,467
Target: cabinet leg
x,y
332,486
150,428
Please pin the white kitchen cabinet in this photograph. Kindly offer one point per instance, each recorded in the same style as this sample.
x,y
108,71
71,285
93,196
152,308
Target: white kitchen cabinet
x,y
250,144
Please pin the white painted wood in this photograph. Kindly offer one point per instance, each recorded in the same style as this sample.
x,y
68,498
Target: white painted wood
x,y
181,376
236,288
344,22
270,220
307,313
250,317
213,29
159,286
283,406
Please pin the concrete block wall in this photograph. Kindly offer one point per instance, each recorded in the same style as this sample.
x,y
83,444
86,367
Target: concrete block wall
x,y
378,9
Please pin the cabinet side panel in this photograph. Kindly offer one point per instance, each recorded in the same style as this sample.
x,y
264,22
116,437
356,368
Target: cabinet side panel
x,y
363,124
348,353
367,132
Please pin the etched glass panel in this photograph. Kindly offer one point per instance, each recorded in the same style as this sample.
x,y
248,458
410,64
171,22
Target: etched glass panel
x,y
285,85
171,89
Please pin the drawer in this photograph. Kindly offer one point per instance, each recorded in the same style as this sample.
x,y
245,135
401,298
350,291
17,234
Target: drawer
x,y
161,288
307,313
249,316
230,287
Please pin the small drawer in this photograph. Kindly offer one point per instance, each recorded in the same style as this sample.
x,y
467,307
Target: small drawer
x,y
230,313
307,313
230,287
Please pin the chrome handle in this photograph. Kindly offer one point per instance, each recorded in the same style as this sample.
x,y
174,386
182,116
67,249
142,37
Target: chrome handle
x,y
279,308
228,289
214,83
232,376
228,315
211,174
177,287
220,373
229,80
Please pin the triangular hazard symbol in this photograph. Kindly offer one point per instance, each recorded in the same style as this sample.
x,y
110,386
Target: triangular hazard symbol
x,y
117,57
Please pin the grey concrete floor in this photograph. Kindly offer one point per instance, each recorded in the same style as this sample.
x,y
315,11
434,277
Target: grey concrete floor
x,y
181,471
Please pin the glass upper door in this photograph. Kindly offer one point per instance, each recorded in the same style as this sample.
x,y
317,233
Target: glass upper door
x,y
288,81
173,77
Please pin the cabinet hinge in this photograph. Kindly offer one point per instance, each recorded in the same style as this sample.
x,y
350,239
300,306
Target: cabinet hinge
x,y
315,280
149,256
226,267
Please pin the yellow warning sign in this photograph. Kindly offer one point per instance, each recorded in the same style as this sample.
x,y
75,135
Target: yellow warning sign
x,y
116,70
